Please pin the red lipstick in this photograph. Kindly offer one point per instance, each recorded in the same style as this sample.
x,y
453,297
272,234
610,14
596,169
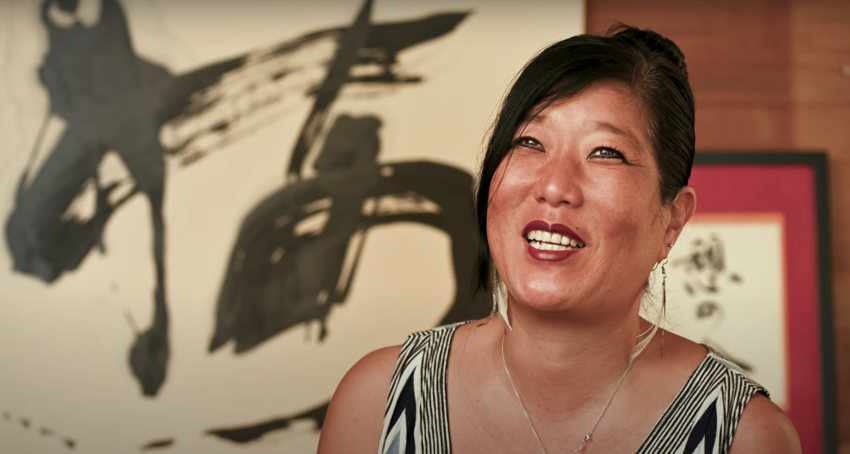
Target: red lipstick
x,y
550,255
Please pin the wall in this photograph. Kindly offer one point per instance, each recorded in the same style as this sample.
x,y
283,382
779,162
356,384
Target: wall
x,y
768,75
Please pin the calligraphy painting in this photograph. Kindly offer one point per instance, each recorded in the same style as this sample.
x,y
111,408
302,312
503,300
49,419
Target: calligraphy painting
x,y
726,271
211,210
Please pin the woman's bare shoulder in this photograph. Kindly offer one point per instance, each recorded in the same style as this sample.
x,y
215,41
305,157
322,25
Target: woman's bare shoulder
x,y
673,359
356,413
764,427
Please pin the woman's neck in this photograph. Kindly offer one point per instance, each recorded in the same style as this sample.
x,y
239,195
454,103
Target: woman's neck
x,y
561,363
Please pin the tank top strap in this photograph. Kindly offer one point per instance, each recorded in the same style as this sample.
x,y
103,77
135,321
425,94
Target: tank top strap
x,y
704,415
416,417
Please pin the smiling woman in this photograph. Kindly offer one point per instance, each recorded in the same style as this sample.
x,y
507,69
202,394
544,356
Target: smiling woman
x,y
583,192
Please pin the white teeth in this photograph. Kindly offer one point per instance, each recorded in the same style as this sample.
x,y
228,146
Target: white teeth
x,y
548,241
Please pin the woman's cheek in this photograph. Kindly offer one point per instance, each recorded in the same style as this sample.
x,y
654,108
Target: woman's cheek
x,y
514,180
506,199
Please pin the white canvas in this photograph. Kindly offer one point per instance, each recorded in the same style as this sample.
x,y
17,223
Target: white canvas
x,y
64,346
737,297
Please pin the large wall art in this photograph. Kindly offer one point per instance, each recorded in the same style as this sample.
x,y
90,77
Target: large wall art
x,y
211,210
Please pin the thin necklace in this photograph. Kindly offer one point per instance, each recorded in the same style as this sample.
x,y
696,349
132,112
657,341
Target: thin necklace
x,y
519,399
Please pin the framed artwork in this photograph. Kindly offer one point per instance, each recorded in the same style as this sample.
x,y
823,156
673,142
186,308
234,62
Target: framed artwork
x,y
750,276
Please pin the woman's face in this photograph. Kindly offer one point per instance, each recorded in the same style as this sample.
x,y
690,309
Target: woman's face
x,y
581,174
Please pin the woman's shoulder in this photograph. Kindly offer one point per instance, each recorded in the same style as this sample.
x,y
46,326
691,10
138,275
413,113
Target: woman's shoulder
x,y
364,389
764,427
356,413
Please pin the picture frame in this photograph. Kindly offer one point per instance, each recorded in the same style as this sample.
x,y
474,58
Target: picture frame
x,y
787,192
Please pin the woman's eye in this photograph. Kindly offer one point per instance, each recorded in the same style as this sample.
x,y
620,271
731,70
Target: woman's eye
x,y
607,153
528,142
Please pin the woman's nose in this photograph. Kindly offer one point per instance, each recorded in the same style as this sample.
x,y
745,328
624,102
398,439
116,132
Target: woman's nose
x,y
559,184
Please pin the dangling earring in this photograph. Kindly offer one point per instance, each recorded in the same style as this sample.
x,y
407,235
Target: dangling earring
x,y
664,300
500,298
663,304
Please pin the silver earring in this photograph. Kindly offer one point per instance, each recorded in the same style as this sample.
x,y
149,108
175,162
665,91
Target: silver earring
x,y
663,302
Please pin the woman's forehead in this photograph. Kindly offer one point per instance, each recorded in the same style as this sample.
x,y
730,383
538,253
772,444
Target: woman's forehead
x,y
603,107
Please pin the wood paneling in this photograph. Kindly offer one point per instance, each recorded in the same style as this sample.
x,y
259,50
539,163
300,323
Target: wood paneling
x,y
768,75
739,60
821,48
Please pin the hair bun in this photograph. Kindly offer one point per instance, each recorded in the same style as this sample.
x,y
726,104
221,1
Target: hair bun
x,y
652,42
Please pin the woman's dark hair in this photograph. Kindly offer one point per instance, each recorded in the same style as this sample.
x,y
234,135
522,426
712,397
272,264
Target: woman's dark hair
x,y
649,64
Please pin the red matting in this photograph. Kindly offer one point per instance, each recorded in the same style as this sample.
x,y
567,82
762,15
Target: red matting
x,y
789,189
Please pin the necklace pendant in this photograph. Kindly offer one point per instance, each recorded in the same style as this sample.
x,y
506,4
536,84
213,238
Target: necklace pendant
x,y
584,442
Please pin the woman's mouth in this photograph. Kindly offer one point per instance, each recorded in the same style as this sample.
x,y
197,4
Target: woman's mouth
x,y
548,241
551,243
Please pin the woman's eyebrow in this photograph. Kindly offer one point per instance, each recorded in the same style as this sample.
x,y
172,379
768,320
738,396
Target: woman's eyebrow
x,y
608,127
596,126
534,117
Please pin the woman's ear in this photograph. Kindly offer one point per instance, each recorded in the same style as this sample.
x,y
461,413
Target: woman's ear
x,y
681,211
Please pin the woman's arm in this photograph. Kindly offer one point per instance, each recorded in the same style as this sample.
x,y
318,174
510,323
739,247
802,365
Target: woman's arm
x,y
356,413
763,427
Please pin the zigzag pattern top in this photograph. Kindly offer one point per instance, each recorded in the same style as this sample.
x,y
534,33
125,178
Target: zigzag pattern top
x,y
700,420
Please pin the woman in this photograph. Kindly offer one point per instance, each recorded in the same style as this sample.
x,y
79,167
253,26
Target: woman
x,y
583,192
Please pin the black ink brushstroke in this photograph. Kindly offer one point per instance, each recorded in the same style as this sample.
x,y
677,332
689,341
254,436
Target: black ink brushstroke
x,y
113,99
264,295
705,266
249,433
210,119
158,444
278,278
704,269
109,98
27,423
338,70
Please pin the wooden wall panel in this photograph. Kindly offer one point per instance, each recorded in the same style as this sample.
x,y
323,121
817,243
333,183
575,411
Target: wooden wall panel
x,y
739,60
821,49
769,75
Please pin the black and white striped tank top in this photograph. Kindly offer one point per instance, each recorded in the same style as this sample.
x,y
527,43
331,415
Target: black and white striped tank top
x,y
700,420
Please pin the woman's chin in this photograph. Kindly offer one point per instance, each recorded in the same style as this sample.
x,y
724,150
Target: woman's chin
x,y
546,301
